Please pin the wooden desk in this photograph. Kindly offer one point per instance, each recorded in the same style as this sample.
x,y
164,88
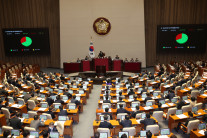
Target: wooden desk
x,y
2,120
201,98
183,92
196,134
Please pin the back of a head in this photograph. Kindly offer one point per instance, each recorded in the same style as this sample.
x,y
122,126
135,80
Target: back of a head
x,y
159,105
173,136
137,107
61,107
106,109
148,115
121,105
105,117
6,133
45,133
148,94
193,99
149,134
17,114
74,96
36,117
190,114
127,117
96,135
26,133
120,98
123,136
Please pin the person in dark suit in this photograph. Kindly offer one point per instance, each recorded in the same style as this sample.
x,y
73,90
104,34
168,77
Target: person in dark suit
x,y
131,92
170,95
126,122
180,104
67,94
107,100
122,110
6,134
73,100
159,107
147,121
51,112
62,112
26,134
105,124
136,112
107,113
147,98
49,100
148,134
15,122
3,90
151,77
144,89
52,128
190,114
58,100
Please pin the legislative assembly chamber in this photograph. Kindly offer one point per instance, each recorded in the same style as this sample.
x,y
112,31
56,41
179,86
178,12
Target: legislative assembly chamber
x,y
103,68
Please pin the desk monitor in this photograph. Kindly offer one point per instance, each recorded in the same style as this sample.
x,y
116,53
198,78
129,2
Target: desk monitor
x,y
185,97
71,107
34,134
165,83
70,91
202,126
155,94
148,103
195,109
105,106
62,118
53,97
178,112
78,98
24,115
103,135
44,117
165,92
21,102
15,132
11,100
174,100
123,132
65,86
0,130
56,84
74,86
84,87
165,131
86,82
24,93
171,81
44,105
81,91
127,86
69,81
143,115
143,133
60,91
117,91
79,79
131,96
54,134
149,88
117,86
56,106
136,84
140,89
122,117
134,105
162,101
42,96
42,88
3,98
144,95
182,87
65,97
51,90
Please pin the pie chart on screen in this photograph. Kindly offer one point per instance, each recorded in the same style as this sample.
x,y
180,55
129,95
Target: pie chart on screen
x,y
26,41
181,38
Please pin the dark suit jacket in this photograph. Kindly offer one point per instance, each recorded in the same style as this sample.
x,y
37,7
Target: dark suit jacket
x,y
105,124
170,96
158,109
108,114
147,98
16,123
126,123
52,130
135,113
144,90
51,113
147,122
106,101
122,110
49,101
180,104
63,113
59,101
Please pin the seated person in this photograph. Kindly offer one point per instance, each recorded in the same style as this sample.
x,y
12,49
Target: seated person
x,y
107,113
34,98
36,123
190,114
15,122
51,112
135,98
180,104
192,102
144,89
136,60
105,124
45,134
49,100
62,112
123,136
136,112
59,100
86,58
120,100
11,110
132,60
78,60
148,134
126,122
117,57
107,100
96,135
73,100
159,107
170,95
147,121
131,92
147,98
101,54
126,60
6,134
52,128
26,134
122,110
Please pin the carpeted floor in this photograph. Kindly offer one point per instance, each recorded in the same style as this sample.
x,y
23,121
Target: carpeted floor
x,y
84,129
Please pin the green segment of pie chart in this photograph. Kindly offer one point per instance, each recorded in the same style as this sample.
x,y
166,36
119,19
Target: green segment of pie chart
x,y
183,40
28,42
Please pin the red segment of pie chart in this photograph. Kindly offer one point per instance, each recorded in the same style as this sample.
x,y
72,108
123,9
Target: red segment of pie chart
x,y
23,39
179,36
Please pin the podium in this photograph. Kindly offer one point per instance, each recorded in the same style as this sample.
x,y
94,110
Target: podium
x,y
71,67
101,62
132,67
117,65
86,65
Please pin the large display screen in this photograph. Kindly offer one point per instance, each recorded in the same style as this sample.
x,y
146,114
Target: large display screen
x,y
181,38
20,41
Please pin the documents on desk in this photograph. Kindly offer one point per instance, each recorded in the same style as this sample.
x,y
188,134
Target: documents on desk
x,y
114,101
165,105
147,108
187,101
78,94
166,86
163,136
171,104
42,109
204,95
138,121
16,105
201,132
181,116
130,100
101,101
133,109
